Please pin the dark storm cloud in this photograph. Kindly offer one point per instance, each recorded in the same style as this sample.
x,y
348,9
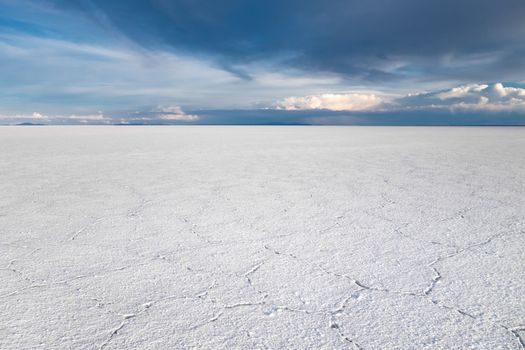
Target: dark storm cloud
x,y
373,40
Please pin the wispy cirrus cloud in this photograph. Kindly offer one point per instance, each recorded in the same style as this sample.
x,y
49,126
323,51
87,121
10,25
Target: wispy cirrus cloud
x,y
366,41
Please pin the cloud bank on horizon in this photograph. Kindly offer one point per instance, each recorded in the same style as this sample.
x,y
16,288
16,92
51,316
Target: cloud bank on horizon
x,y
262,62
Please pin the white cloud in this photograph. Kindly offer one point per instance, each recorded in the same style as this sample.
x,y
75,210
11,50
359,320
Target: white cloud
x,y
482,97
484,104
331,101
461,91
173,113
475,97
472,97
34,115
513,92
161,113
281,80
89,117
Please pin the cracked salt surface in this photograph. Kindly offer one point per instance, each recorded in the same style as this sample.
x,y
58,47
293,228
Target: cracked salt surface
x,y
262,237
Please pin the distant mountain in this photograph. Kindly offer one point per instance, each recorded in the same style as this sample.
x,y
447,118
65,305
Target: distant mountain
x,y
29,124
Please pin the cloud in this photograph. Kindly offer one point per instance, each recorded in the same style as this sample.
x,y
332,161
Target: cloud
x,y
486,98
503,91
173,113
79,56
34,115
69,77
370,41
334,102
461,91
471,104
96,118
157,115
16,118
91,117
475,97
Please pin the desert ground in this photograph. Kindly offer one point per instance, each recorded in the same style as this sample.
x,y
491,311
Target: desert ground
x,y
262,237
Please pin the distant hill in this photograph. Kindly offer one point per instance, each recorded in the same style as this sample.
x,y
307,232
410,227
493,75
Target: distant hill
x,y
29,124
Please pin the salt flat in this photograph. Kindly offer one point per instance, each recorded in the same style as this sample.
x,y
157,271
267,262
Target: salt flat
x,y
262,237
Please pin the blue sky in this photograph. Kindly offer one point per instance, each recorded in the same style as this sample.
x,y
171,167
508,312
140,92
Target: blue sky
x,y
391,62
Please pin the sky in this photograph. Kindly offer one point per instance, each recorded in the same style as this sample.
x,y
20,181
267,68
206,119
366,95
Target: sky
x,y
374,62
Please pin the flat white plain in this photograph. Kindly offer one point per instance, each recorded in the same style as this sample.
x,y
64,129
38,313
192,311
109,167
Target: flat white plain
x,y
262,237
